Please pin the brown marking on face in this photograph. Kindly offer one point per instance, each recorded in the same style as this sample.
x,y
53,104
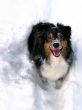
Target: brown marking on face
x,y
47,45
47,50
65,48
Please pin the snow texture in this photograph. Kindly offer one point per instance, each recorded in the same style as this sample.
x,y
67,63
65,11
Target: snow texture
x,y
19,89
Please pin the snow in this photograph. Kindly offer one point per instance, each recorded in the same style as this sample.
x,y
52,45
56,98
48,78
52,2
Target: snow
x,y
18,91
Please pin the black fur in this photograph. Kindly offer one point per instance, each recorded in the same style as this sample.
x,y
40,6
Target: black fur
x,y
39,35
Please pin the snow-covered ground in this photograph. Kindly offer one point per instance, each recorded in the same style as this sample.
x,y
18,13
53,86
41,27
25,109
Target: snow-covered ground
x,y
17,90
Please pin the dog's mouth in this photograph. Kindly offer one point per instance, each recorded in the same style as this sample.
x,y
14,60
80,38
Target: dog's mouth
x,y
56,52
56,48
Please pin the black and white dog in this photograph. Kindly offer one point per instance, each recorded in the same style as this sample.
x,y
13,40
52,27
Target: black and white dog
x,y
50,48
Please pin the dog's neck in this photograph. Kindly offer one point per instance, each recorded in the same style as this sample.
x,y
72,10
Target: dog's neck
x,y
54,69
53,61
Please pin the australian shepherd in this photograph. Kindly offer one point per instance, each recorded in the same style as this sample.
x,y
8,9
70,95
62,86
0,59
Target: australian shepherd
x,y
50,49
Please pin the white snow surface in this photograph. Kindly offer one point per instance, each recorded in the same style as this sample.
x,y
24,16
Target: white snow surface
x,y
19,89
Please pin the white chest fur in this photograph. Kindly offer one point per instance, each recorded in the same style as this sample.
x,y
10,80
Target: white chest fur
x,y
55,68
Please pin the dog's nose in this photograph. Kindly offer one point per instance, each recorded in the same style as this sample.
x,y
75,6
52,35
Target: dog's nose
x,y
56,45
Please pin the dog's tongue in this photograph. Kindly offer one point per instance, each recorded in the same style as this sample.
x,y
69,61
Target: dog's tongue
x,y
56,52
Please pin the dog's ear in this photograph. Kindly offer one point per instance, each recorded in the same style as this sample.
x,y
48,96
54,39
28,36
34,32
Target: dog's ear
x,y
66,30
37,51
35,47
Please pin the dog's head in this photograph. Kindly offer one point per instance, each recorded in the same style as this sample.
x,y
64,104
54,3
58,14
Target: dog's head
x,y
46,39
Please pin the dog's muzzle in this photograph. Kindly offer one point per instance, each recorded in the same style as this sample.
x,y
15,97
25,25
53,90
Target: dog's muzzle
x,y
56,48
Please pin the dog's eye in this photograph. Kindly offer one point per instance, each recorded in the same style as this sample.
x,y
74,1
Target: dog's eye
x,y
50,38
61,37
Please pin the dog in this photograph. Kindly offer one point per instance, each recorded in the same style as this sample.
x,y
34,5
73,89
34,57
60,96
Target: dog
x,y
51,51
